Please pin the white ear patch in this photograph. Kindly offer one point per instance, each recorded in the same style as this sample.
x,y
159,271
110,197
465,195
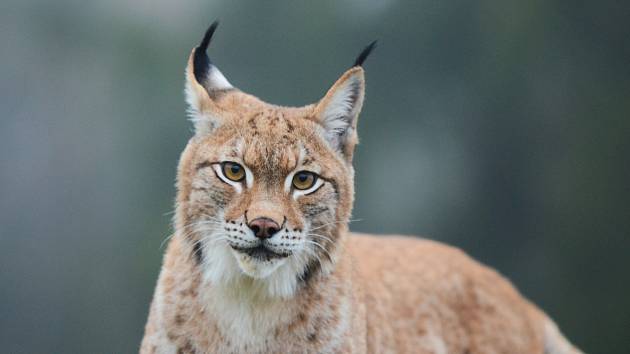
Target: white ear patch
x,y
216,80
203,121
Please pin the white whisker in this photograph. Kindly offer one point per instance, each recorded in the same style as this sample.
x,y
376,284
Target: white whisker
x,y
166,240
321,237
334,222
312,252
320,246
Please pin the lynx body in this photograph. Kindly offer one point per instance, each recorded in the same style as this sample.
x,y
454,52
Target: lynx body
x,y
262,261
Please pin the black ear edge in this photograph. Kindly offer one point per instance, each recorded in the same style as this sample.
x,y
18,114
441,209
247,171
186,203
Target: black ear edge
x,y
364,54
201,61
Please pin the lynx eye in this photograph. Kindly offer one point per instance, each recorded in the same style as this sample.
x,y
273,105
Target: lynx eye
x,y
233,171
304,180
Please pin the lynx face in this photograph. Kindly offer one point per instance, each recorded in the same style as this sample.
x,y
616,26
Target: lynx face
x,y
265,194
264,191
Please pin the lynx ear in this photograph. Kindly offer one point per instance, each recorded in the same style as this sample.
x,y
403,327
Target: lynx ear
x,y
204,82
339,110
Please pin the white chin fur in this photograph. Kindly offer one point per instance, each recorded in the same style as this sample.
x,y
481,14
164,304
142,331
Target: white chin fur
x,y
240,274
256,268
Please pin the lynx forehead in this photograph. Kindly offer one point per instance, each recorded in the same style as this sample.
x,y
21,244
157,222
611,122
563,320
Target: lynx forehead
x,y
262,260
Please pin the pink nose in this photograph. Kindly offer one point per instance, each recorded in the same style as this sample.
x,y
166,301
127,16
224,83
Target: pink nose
x,y
263,227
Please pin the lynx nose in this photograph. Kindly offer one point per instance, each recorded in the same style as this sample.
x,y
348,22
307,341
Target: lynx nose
x,y
263,227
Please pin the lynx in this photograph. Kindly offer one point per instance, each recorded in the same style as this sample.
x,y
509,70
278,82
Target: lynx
x,y
262,261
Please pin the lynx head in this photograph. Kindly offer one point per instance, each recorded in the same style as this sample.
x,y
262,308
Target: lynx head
x,y
265,192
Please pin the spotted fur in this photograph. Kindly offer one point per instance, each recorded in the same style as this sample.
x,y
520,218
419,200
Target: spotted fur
x,y
326,290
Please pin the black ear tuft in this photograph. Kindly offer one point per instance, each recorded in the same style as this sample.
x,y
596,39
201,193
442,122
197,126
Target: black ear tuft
x,y
201,60
364,54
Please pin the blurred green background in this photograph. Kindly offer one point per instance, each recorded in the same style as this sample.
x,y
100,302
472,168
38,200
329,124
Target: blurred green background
x,y
498,126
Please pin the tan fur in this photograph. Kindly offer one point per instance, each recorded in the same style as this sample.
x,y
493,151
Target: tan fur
x,y
349,293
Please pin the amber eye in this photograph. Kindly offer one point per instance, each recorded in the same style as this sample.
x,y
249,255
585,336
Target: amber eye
x,y
233,171
304,180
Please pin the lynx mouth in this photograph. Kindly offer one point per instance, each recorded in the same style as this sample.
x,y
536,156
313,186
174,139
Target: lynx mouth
x,y
260,252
